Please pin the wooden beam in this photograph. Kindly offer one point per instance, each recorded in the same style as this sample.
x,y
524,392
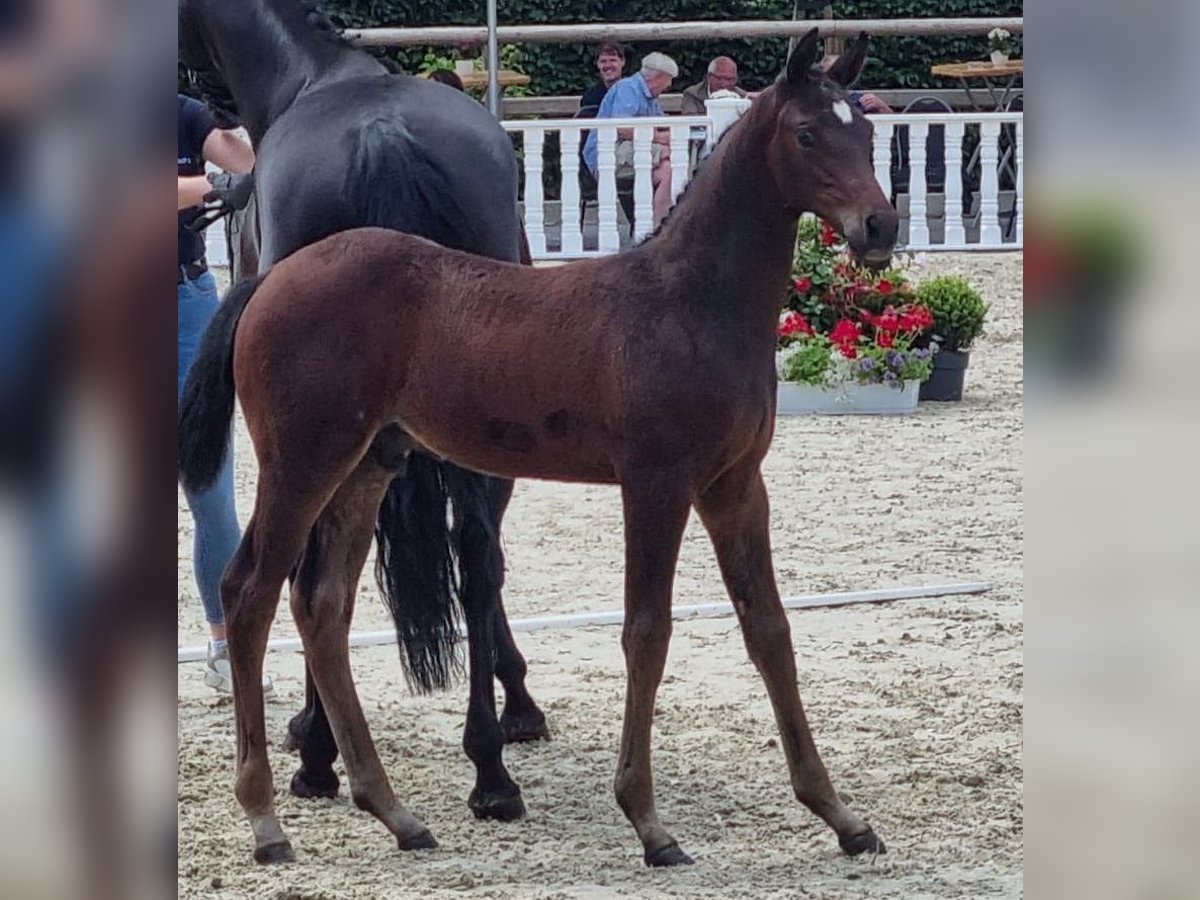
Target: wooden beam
x,y
594,32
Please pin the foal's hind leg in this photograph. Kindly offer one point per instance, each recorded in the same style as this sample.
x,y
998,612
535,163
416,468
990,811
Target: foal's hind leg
x,y
322,604
735,513
250,593
522,720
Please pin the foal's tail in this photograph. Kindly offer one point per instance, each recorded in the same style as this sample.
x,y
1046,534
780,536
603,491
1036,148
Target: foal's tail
x,y
415,569
206,411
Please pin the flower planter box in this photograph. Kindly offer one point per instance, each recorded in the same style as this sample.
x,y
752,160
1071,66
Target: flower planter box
x,y
846,399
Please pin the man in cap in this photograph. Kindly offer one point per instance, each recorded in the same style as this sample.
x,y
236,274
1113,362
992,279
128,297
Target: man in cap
x,y
637,96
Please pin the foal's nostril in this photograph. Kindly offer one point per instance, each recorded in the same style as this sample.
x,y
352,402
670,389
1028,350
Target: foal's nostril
x,y
880,229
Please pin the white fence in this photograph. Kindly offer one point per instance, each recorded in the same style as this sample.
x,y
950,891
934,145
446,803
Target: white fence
x,y
956,179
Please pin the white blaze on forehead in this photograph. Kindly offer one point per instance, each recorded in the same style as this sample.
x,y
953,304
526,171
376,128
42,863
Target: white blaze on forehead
x,y
841,109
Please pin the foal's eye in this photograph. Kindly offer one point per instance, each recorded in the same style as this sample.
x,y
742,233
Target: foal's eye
x,y
805,137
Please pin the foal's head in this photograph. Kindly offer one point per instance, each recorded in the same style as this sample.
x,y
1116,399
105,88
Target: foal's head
x,y
820,152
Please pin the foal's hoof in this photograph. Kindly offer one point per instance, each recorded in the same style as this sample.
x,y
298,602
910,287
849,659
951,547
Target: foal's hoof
x,y
669,855
314,784
274,853
503,806
527,727
867,842
422,840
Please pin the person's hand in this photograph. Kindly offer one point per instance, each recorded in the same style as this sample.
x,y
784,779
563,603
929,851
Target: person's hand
x,y
872,104
230,191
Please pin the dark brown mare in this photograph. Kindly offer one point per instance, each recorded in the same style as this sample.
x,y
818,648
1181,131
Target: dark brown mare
x,y
652,369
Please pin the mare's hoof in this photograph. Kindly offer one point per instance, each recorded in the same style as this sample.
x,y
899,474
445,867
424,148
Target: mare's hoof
x,y
314,784
289,744
867,842
272,854
527,727
669,855
422,840
503,806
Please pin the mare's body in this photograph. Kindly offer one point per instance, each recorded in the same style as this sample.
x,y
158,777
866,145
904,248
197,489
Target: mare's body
x,y
652,369
342,143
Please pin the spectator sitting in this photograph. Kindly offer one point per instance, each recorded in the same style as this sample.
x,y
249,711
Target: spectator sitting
x,y
610,62
637,96
447,76
864,102
722,76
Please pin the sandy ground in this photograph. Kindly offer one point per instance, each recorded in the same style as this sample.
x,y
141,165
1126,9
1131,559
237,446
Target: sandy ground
x,y
916,705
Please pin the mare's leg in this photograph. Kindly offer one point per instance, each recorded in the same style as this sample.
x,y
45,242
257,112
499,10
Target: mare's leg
x,y
310,734
735,513
495,795
322,604
522,720
250,590
656,510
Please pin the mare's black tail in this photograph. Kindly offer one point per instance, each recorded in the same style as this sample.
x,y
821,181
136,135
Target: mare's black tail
x,y
415,569
206,411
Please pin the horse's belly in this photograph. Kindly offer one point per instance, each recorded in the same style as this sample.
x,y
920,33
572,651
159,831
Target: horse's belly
x,y
555,448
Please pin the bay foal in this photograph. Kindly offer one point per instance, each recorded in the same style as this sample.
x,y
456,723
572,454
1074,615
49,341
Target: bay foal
x,y
652,369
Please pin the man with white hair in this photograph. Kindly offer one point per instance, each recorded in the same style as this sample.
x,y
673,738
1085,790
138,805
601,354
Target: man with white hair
x,y
637,96
722,76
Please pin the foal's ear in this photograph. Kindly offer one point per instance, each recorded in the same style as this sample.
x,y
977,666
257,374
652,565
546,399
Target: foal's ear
x,y
850,64
803,58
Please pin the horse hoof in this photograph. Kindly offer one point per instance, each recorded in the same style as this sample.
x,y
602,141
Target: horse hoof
x,y
503,807
422,840
867,842
310,785
520,729
289,743
669,855
272,854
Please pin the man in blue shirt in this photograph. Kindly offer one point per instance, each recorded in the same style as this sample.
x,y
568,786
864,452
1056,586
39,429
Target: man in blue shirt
x,y
636,97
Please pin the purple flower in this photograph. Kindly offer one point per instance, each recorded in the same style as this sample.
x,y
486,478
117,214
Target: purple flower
x,y
894,359
866,364
921,353
889,378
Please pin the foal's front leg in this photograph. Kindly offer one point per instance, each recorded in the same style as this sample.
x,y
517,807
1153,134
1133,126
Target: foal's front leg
x,y
735,513
656,511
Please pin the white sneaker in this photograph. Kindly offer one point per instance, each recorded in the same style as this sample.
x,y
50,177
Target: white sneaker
x,y
219,677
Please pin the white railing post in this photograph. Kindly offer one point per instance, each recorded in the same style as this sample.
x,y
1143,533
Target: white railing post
x,y
723,112
881,156
681,161
989,184
535,210
1019,156
955,234
606,188
643,190
568,150
918,223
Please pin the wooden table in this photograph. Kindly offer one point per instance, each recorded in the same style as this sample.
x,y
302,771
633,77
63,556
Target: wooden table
x,y
508,78
985,71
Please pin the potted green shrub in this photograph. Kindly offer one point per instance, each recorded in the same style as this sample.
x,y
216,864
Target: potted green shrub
x,y
958,313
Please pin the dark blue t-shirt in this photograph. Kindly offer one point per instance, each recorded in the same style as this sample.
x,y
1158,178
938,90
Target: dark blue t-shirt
x,y
195,125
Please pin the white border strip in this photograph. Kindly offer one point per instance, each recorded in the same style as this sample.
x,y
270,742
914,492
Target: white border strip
x,y
616,616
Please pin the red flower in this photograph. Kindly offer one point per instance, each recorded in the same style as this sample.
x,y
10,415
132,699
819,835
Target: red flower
x,y
845,335
828,235
886,339
885,287
803,285
889,322
794,323
866,317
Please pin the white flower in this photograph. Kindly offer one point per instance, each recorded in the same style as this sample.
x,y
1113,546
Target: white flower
x,y
998,34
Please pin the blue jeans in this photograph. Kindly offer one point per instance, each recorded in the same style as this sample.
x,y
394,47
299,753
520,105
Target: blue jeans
x,y
217,533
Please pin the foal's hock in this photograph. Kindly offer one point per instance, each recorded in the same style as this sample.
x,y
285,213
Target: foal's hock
x,y
652,370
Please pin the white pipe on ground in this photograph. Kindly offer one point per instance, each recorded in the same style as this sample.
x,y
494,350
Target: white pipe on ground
x,y
679,613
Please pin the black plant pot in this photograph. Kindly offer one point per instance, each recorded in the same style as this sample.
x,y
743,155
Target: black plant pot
x,y
949,372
